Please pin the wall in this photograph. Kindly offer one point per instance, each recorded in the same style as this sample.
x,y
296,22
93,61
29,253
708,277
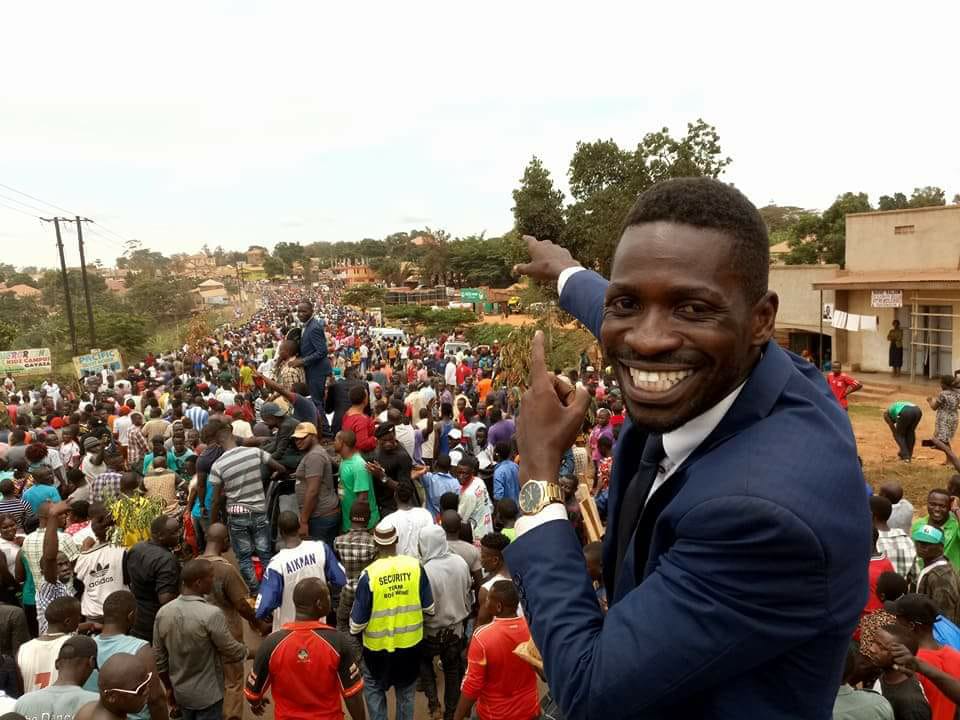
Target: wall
x,y
870,350
935,243
799,302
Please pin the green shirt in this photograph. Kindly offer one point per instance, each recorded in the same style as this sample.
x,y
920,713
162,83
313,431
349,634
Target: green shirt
x,y
894,410
951,539
355,478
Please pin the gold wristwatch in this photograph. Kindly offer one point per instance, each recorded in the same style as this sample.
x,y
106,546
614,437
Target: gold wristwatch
x,y
537,494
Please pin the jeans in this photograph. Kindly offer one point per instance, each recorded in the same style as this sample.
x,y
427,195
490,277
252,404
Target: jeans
x,y
448,645
249,532
324,528
376,698
213,712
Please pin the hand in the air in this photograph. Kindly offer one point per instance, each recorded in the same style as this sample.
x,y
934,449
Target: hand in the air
x,y
547,260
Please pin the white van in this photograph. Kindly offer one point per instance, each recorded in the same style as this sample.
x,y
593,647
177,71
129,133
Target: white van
x,y
456,348
386,333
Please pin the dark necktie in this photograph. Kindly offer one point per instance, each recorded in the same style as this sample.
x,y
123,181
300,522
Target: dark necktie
x,y
636,494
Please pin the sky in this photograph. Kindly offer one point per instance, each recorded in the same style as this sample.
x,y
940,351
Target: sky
x,y
236,123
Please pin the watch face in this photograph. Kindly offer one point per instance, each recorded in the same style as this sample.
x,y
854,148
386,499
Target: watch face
x,y
531,496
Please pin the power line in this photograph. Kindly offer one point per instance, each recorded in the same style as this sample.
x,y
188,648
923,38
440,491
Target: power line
x,y
20,202
24,212
20,192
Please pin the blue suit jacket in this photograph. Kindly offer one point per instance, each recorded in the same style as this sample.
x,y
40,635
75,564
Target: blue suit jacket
x,y
746,575
313,348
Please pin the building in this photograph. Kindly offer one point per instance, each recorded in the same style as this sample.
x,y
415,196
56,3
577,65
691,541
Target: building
x,y
256,255
800,319
199,265
352,271
21,292
903,265
211,292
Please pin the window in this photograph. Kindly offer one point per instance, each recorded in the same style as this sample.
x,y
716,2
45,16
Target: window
x,y
903,230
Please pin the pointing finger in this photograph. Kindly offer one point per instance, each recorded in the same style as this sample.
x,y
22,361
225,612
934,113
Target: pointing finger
x,y
539,379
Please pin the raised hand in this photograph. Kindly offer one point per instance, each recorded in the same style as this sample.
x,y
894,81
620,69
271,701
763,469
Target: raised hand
x,y
547,260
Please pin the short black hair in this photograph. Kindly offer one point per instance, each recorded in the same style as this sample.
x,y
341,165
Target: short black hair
x,y
449,501
881,507
708,203
495,541
891,586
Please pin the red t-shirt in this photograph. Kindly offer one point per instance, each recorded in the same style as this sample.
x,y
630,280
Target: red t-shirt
x,y
839,384
878,566
504,686
361,426
948,660
308,667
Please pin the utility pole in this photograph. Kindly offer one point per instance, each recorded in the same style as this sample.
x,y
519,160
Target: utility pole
x,y
66,283
239,282
86,287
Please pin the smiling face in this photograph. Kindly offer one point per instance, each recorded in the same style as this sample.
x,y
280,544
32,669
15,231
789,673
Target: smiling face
x,y
8,528
677,327
938,507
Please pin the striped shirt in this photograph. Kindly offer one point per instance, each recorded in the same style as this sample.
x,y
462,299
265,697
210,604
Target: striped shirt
x,y
238,470
17,508
198,416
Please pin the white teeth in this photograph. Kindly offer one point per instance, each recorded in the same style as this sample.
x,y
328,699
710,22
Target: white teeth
x,y
657,381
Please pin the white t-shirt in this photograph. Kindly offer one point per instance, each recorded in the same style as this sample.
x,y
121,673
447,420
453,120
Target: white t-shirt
x,y
475,508
241,429
37,660
121,426
10,551
408,524
450,374
286,569
100,569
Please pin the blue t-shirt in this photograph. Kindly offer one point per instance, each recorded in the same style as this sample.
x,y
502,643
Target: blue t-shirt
x,y
37,495
107,647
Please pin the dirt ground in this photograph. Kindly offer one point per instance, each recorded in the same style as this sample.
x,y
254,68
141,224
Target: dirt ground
x,y
879,451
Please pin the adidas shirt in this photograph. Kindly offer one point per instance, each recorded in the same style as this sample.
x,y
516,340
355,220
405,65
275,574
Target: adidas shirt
x,y
101,571
311,558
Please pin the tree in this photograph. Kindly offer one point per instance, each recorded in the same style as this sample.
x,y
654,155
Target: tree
x,y
8,331
779,217
538,206
476,260
273,267
822,238
51,287
605,181
956,199
389,269
928,196
363,296
288,254
149,263
166,297
20,278
898,201
434,258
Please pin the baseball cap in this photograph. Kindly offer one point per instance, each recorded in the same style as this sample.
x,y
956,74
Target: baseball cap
x,y
304,429
234,411
928,534
91,442
915,608
383,429
385,533
77,646
271,409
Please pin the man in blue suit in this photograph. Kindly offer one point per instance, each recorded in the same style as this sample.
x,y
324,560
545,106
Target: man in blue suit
x,y
313,358
736,552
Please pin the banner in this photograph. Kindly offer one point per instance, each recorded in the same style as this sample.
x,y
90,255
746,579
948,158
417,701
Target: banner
x,y
886,298
94,362
25,362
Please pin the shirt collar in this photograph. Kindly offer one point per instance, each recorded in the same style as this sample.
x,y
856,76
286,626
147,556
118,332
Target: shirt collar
x,y
679,444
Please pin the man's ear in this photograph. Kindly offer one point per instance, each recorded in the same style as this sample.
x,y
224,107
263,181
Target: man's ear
x,y
764,319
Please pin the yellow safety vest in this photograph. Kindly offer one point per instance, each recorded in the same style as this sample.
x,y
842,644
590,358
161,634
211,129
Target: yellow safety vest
x,y
396,621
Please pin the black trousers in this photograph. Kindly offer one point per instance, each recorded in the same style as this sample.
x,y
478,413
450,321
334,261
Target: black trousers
x,y
448,645
905,430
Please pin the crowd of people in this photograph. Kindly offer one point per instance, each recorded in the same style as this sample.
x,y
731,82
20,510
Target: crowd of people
x,y
349,498
365,487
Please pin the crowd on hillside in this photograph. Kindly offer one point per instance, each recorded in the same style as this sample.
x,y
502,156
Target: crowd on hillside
x,y
366,512
348,495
